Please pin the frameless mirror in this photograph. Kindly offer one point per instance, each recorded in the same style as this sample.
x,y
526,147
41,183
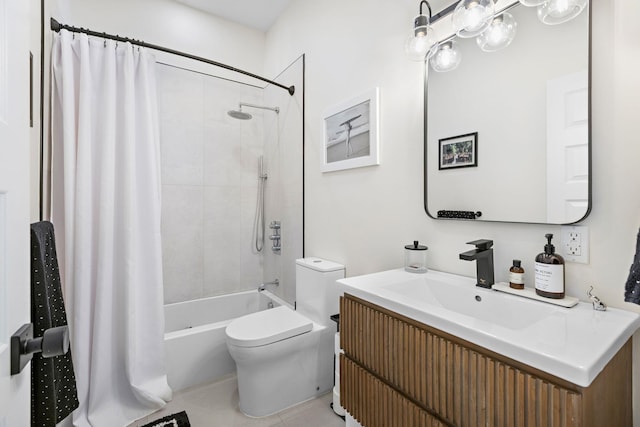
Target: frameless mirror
x,y
507,133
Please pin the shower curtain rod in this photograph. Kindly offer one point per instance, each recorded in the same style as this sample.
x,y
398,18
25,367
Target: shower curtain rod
x,y
56,26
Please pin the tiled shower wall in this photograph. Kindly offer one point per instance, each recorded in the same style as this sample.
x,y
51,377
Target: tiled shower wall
x,y
209,184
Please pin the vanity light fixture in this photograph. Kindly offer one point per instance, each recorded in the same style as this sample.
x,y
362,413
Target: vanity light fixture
x,y
472,17
446,58
499,34
477,18
554,12
422,42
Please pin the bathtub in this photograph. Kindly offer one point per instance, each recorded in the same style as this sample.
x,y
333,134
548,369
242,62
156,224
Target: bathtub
x,y
195,347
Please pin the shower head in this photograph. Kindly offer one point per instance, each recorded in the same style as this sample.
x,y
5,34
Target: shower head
x,y
239,114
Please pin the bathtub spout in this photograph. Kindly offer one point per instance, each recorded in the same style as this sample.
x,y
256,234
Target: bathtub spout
x,y
263,286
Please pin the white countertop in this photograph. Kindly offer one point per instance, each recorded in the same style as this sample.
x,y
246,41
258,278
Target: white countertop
x,y
571,343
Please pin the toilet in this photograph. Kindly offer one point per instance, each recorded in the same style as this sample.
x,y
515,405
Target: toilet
x,y
284,356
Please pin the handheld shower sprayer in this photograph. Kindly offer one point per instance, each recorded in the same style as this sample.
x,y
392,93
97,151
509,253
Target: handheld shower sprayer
x,y
258,224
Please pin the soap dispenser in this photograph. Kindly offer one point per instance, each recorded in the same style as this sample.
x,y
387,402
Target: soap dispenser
x,y
549,274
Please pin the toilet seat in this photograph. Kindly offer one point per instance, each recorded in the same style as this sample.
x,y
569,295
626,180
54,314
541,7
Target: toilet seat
x,y
266,327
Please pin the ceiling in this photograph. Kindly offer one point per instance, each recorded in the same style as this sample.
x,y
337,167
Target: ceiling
x,y
258,14
261,14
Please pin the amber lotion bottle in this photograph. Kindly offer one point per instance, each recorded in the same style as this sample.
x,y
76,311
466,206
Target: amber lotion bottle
x,y
516,275
549,274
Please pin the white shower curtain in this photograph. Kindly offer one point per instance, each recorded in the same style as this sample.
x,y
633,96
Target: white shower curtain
x,y
106,208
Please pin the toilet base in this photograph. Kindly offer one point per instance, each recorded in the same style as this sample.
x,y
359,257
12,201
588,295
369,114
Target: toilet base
x,y
276,376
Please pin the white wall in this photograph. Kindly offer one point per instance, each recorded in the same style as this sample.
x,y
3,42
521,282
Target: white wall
x,y
364,217
360,216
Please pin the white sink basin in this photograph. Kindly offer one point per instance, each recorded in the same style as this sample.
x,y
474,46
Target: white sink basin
x,y
571,343
455,295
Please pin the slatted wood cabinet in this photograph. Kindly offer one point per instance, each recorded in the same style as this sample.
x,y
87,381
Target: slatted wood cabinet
x,y
397,372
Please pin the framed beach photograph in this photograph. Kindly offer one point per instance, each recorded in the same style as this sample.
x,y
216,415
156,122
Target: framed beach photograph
x,y
458,151
351,133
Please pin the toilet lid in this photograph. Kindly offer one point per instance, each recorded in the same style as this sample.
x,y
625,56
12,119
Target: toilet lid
x,y
266,327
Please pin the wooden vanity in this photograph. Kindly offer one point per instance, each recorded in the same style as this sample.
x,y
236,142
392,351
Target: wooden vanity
x,y
399,372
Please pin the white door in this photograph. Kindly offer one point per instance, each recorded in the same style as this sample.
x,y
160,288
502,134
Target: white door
x,y
567,148
14,204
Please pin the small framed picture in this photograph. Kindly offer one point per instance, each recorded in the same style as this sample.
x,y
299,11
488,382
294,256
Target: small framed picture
x,y
351,133
458,151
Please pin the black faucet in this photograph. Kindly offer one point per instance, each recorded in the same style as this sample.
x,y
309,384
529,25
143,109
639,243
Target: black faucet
x,y
483,254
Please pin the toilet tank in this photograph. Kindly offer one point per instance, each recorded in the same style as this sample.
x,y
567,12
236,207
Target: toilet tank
x,y
316,290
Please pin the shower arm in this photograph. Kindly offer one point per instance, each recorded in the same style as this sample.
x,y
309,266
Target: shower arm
x,y
244,104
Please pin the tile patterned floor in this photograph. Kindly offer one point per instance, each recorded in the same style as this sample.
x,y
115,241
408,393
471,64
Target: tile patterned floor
x,y
216,405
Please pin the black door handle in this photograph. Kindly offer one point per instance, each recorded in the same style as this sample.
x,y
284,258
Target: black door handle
x,y
54,342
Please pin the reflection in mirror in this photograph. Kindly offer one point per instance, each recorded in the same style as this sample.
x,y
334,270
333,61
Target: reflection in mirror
x,y
529,104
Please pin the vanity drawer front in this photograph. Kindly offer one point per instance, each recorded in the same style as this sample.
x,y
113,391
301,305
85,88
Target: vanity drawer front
x,y
374,404
463,386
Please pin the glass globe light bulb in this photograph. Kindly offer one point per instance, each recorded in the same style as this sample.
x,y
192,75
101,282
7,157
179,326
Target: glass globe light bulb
x,y
531,3
554,12
472,17
422,41
446,58
499,34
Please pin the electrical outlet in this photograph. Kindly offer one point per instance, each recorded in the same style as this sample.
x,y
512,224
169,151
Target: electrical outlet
x,y
575,243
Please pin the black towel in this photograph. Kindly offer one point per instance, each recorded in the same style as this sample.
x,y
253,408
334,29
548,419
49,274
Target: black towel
x,y
53,382
632,288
